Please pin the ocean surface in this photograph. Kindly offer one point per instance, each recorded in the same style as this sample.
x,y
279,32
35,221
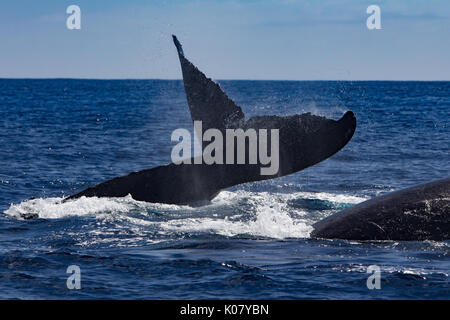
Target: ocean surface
x,y
252,241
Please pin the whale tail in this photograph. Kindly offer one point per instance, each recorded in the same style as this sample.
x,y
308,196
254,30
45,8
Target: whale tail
x,y
304,140
207,101
178,45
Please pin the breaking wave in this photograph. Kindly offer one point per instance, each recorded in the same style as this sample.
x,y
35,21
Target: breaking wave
x,y
230,214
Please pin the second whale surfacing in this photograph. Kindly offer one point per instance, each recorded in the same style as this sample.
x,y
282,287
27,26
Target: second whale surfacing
x,y
304,140
417,213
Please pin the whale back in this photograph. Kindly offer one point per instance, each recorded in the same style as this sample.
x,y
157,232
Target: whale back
x,y
417,213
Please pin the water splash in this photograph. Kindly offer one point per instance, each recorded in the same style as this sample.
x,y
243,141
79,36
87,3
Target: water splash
x,y
232,214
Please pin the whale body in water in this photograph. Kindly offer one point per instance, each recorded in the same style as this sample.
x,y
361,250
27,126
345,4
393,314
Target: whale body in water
x,y
417,213
304,140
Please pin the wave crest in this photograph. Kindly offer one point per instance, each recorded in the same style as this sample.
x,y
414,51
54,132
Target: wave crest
x,y
231,213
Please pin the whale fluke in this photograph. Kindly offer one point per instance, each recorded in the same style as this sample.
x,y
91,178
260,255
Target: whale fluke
x,y
207,101
178,45
417,213
304,140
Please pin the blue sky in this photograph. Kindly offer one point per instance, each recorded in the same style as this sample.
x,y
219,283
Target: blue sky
x,y
266,39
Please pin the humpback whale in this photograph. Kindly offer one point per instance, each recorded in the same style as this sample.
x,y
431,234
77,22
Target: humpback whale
x,y
417,213
304,140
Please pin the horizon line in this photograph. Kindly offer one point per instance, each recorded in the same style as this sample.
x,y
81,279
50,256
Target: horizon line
x,y
181,79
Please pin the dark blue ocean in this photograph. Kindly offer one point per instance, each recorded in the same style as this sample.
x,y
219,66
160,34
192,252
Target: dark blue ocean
x,y
58,137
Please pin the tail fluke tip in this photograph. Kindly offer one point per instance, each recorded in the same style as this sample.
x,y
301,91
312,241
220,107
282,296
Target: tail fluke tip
x,y
178,45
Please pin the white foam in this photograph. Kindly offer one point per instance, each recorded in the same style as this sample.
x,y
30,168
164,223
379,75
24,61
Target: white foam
x,y
228,196
52,208
260,214
272,217
396,269
339,198
269,222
